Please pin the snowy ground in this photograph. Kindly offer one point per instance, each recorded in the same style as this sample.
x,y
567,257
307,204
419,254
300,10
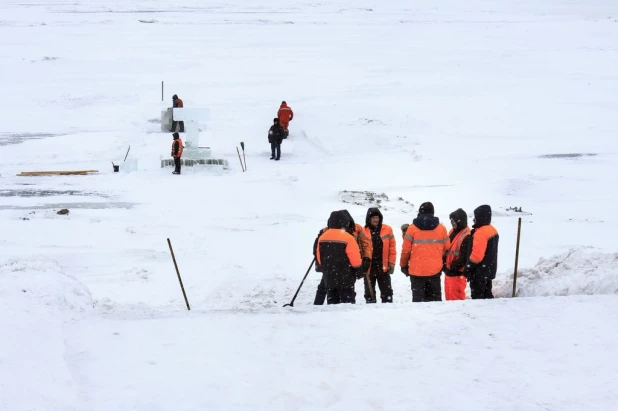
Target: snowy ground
x,y
506,103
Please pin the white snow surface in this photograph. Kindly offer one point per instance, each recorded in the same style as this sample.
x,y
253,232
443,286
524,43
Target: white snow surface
x,y
511,104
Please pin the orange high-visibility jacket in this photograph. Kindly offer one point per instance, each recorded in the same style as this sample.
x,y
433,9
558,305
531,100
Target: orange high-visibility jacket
x,y
389,250
423,250
454,251
347,242
177,148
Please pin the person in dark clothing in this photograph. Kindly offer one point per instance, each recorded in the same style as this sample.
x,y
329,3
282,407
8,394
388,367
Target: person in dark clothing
x,y
320,294
483,261
383,258
177,103
339,257
424,245
177,148
275,137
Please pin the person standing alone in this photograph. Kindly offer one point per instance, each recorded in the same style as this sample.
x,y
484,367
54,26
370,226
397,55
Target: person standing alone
x,y
176,152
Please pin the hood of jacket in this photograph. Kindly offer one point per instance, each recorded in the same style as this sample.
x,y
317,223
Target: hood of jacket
x,y
372,212
426,221
482,214
460,217
339,219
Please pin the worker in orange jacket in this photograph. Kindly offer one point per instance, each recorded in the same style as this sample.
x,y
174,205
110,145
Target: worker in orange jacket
x,y
383,258
339,256
364,244
177,103
483,261
285,115
456,256
177,148
424,245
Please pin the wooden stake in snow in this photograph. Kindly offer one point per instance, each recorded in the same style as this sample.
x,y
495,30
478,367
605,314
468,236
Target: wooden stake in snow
x,y
161,90
516,257
240,159
242,146
182,287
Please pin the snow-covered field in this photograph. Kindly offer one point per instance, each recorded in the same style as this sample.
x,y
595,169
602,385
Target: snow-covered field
x,y
496,102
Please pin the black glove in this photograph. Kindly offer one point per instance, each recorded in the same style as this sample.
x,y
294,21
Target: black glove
x,y
366,264
405,270
358,272
318,267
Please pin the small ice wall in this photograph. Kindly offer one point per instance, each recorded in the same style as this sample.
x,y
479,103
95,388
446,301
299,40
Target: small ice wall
x,y
579,271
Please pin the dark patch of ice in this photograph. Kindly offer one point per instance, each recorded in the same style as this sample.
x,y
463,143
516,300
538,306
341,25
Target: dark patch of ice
x,y
569,155
17,138
88,206
47,193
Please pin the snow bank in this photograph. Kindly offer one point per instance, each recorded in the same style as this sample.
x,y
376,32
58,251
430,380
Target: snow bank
x,y
37,301
578,271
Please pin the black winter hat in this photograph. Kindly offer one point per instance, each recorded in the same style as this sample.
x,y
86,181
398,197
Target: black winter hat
x,y
351,224
426,208
338,219
372,212
175,135
460,217
174,97
482,214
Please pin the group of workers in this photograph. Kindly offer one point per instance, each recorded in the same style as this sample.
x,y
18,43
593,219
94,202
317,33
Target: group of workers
x,y
346,251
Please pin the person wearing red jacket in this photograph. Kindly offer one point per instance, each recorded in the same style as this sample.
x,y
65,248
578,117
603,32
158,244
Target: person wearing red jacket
x,y
483,261
424,245
383,258
285,115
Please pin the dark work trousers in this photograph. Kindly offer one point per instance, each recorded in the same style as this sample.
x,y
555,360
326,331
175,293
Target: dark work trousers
x,y
320,293
340,288
275,147
426,288
480,287
384,283
177,165
182,126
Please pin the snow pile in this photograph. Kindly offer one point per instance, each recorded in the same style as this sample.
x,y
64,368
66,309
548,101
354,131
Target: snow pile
x,y
578,271
38,303
41,282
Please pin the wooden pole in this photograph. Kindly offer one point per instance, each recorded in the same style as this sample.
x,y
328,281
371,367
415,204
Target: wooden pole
x,y
516,257
240,159
291,304
125,156
242,146
182,287
161,90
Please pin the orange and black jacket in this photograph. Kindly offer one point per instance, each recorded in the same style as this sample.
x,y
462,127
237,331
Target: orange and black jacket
x,y
382,240
483,261
458,252
337,251
178,103
424,246
177,148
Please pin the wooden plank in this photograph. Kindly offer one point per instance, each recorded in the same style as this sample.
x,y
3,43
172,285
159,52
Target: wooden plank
x,y
54,173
